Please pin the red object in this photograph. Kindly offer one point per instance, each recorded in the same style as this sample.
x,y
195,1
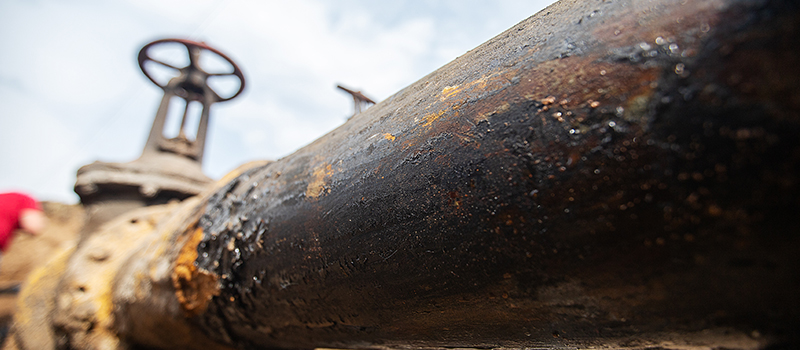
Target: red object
x,y
11,205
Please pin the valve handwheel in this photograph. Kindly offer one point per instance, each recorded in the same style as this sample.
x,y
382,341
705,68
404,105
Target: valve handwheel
x,y
192,76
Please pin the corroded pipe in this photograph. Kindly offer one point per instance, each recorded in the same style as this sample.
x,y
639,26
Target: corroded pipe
x,y
602,174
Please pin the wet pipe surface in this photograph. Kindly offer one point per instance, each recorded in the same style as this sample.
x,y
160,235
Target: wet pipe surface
x,y
601,170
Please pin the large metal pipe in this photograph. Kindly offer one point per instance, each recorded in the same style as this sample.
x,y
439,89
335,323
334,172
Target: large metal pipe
x,y
602,174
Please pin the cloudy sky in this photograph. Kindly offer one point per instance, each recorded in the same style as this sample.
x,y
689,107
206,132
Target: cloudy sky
x,y
71,91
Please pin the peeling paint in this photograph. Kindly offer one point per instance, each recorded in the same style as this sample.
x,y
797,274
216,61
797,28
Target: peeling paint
x,y
318,182
430,118
449,91
483,84
194,287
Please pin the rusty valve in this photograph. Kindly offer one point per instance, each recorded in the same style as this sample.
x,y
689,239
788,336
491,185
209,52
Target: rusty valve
x,y
192,85
192,81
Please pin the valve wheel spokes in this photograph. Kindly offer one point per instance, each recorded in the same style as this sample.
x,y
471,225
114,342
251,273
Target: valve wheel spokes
x,y
193,49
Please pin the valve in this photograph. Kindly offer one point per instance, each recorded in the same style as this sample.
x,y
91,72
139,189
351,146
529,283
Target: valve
x,y
191,84
169,168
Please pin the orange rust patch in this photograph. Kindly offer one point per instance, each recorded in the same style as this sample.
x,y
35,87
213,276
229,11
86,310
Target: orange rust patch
x,y
454,96
430,118
485,83
318,181
485,116
389,136
449,91
194,287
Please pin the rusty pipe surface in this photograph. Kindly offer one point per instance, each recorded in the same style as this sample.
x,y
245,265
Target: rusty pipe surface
x,y
619,174
602,169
